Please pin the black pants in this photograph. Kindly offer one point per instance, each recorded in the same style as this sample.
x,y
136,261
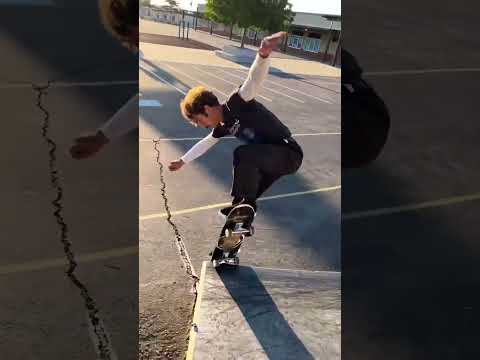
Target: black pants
x,y
257,166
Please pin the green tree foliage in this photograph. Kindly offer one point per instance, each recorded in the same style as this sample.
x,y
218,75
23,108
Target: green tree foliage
x,y
269,15
276,15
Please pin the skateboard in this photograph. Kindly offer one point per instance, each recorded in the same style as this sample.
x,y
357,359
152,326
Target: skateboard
x,y
237,226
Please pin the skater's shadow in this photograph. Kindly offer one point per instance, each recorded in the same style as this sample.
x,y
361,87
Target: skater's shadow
x,y
271,329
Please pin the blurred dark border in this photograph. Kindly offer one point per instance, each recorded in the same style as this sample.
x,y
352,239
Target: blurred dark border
x,y
410,271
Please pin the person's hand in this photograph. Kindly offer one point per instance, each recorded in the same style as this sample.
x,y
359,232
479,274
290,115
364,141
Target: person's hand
x,y
88,145
176,165
270,43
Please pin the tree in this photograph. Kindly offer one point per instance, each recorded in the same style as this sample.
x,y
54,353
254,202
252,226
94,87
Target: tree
x,y
231,12
270,15
144,2
221,11
172,3
276,15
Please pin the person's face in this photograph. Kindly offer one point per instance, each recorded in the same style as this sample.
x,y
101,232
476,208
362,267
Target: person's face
x,y
212,118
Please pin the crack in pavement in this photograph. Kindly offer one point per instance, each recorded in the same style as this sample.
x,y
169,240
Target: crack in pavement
x,y
179,241
100,335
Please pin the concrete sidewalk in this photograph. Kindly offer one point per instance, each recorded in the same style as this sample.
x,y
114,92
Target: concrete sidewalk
x,y
215,40
259,313
156,52
280,61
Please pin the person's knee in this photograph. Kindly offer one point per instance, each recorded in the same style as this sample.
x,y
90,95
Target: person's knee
x,y
239,154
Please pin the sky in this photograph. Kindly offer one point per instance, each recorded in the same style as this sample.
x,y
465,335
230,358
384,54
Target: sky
x,y
330,7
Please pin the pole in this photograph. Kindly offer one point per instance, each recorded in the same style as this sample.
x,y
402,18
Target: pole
x,y
330,35
188,28
196,19
339,46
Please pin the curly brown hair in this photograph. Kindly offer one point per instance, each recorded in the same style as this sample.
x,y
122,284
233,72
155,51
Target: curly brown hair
x,y
120,18
195,101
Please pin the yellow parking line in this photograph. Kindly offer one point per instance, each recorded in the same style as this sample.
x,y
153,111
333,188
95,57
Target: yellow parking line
x,y
196,313
411,207
220,205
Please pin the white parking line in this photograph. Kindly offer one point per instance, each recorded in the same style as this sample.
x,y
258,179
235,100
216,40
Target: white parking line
x,y
267,88
231,137
27,2
149,103
24,85
295,90
228,82
162,79
220,205
196,80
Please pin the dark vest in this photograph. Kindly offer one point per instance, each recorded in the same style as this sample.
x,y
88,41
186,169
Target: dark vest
x,y
251,122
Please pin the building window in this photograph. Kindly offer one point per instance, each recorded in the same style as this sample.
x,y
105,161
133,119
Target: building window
x,y
311,45
295,41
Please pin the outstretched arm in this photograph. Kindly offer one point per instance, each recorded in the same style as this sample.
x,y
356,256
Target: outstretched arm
x,y
256,76
196,151
123,120
120,123
259,69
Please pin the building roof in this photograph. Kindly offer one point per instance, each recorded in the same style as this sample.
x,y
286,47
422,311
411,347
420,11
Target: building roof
x,y
308,20
316,21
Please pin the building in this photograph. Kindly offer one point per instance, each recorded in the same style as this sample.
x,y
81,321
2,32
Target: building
x,y
168,15
314,36
311,36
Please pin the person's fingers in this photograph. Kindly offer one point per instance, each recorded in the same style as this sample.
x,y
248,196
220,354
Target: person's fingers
x,y
85,139
77,152
82,151
275,38
174,166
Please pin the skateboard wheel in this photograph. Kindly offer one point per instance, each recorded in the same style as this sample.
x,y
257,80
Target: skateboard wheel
x,y
228,233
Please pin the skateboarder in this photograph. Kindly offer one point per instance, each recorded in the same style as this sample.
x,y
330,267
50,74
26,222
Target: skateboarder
x,y
120,18
365,117
270,151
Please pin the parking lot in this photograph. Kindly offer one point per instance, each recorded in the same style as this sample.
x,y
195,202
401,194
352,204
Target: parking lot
x,y
298,220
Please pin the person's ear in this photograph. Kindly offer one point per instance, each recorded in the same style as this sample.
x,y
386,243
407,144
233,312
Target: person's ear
x,y
207,109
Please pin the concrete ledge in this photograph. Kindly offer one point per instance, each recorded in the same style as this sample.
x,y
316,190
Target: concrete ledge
x,y
259,313
234,58
236,54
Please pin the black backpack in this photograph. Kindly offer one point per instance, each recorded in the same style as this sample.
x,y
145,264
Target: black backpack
x,y
365,117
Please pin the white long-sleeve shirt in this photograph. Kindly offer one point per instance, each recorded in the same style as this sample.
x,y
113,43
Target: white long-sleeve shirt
x,y
250,88
123,121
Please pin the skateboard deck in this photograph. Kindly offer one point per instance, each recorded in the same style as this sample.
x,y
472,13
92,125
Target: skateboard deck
x,y
237,226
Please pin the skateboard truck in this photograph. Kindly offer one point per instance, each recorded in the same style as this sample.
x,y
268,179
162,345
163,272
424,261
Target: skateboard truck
x,y
240,230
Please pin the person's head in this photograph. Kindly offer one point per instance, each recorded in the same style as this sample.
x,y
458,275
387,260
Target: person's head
x,y
120,18
201,107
